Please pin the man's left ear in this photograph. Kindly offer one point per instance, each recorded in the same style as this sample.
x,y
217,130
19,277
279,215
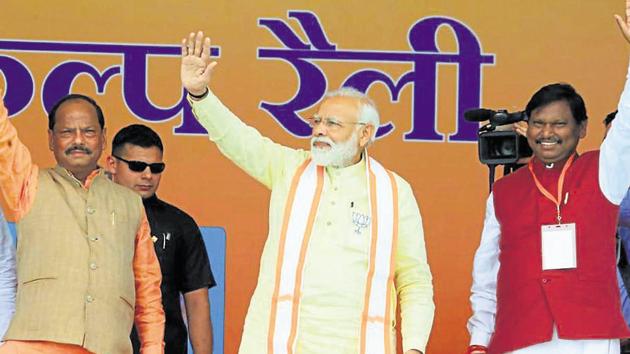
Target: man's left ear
x,y
110,165
366,135
583,126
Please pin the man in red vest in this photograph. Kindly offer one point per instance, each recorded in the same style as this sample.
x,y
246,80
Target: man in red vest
x,y
544,276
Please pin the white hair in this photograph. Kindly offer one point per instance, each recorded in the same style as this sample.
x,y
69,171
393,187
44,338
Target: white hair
x,y
368,113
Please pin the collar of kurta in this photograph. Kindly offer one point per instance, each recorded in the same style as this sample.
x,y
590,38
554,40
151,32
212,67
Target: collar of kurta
x,y
356,169
70,177
541,167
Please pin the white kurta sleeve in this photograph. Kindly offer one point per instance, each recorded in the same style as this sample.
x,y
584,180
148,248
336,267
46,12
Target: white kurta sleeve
x,y
614,162
484,288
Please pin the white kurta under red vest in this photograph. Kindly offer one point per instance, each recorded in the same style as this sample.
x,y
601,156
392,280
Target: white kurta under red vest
x,y
583,303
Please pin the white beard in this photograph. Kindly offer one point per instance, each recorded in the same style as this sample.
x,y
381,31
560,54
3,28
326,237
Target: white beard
x,y
338,155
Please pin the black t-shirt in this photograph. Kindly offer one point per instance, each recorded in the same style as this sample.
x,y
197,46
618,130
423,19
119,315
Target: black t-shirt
x,y
184,263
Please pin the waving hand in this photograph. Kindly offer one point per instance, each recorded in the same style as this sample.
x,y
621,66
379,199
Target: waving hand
x,y
624,25
196,64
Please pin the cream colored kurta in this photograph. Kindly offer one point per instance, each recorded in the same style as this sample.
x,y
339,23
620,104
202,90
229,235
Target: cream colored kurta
x,y
337,259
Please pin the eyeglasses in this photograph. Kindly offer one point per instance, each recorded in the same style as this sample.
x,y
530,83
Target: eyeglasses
x,y
329,123
139,166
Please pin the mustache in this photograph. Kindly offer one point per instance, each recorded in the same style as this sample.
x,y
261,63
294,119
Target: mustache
x,y
549,140
321,139
80,148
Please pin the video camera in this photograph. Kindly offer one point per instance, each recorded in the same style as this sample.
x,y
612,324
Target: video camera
x,y
499,147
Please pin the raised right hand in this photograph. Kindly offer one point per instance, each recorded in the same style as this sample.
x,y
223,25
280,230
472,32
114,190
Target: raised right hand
x,y
624,24
196,64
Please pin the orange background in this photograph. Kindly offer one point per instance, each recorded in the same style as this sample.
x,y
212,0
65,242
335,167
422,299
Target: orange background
x,y
534,43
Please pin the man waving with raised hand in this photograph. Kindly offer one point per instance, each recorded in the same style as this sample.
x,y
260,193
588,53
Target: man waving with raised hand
x,y
345,242
544,276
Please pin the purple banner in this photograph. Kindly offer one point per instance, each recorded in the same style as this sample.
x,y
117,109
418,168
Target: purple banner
x,y
303,56
58,82
425,59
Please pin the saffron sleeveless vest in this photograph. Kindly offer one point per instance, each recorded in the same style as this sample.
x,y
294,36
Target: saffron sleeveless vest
x,y
75,264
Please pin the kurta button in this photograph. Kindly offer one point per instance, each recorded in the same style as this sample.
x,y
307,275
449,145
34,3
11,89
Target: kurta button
x,y
89,298
328,223
91,210
335,189
93,238
332,203
545,280
93,266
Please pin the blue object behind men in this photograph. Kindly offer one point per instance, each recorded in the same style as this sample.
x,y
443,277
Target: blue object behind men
x,y
624,235
8,281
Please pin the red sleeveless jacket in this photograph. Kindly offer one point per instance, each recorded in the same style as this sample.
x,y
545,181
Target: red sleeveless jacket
x,y
583,302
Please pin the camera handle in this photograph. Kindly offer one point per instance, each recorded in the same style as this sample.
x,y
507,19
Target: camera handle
x,y
491,170
507,169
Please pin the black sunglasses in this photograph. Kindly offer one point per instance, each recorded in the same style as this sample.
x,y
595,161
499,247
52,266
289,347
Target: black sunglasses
x,y
139,166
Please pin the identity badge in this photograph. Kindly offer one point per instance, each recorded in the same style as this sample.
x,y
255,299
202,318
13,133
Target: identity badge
x,y
558,247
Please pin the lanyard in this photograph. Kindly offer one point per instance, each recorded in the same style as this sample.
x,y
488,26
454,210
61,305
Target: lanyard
x,y
545,192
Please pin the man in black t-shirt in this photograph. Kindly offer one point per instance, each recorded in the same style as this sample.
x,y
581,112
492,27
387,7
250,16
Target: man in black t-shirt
x,y
136,162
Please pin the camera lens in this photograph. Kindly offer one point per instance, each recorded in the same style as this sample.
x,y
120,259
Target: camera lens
x,y
507,147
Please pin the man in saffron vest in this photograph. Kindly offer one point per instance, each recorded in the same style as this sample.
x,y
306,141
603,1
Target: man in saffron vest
x,y
345,240
544,278
86,267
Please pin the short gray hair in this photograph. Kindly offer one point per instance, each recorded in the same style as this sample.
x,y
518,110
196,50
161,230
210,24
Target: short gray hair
x,y
368,113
